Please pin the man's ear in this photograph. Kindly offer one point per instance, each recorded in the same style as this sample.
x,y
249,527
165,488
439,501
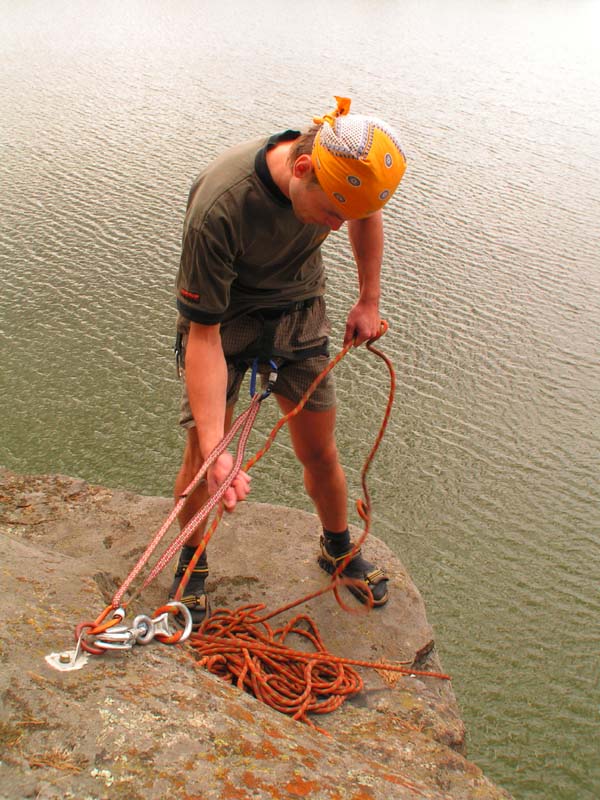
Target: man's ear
x,y
302,167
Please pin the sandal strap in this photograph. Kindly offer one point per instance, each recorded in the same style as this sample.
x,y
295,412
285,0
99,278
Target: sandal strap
x,y
194,600
336,559
181,568
372,578
375,577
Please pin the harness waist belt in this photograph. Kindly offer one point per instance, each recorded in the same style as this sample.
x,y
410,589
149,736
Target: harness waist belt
x,y
283,311
263,347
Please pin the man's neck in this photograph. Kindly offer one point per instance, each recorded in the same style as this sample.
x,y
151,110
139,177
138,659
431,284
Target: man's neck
x,y
279,167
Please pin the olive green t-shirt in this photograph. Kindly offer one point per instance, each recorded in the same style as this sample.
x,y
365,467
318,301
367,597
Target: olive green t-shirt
x,y
243,247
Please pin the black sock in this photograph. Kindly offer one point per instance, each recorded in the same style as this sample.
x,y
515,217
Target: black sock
x,y
337,543
187,552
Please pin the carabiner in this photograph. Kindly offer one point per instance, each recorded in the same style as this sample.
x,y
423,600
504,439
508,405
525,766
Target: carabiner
x,y
270,380
253,374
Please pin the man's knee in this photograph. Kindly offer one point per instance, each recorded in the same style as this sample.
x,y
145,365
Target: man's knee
x,y
319,456
192,457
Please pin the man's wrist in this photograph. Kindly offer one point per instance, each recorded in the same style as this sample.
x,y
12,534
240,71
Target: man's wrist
x,y
206,444
369,300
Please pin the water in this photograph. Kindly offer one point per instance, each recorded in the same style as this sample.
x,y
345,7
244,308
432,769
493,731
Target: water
x,y
486,485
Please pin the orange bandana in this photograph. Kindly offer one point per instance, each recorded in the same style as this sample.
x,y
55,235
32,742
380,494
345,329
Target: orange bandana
x,y
358,160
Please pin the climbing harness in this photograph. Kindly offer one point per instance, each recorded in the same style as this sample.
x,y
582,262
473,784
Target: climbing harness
x,y
178,350
240,646
263,350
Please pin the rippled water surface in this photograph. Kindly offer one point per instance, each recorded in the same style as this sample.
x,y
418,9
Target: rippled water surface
x,y
487,482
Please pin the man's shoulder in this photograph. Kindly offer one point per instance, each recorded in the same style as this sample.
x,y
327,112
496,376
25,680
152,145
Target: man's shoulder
x,y
227,175
242,153
234,163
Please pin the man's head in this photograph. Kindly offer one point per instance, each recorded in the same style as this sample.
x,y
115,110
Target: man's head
x,y
357,160
310,203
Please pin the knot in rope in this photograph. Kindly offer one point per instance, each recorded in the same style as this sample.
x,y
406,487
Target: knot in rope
x,y
341,110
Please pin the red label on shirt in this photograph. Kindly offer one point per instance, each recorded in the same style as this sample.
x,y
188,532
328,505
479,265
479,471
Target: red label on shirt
x,y
190,295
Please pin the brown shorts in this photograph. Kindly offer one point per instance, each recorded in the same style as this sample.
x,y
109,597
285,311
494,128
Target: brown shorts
x,y
295,332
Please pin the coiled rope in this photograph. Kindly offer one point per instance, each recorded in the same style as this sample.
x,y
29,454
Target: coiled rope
x,y
242,649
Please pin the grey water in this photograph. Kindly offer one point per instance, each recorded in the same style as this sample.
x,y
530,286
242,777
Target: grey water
x,y
486,485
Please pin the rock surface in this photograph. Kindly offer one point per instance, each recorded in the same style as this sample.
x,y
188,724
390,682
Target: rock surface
x,y
150,723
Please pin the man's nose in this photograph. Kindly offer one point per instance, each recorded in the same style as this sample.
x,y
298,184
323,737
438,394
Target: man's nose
x,y
334,223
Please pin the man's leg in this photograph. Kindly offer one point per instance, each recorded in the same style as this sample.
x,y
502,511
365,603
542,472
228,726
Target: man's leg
x,y
194,595
313,440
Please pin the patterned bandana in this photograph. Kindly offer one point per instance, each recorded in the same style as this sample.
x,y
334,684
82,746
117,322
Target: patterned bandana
x,y
358,160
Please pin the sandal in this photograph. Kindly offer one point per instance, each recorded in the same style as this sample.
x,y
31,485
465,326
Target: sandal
x,y
367,575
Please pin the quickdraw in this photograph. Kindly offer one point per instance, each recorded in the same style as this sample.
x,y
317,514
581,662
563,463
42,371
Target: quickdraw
x,y
95,638
114,636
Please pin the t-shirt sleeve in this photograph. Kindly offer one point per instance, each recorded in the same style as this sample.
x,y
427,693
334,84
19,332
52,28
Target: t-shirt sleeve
x,y
205,270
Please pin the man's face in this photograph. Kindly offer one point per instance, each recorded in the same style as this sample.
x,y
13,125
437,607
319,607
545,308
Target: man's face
x,y
312,206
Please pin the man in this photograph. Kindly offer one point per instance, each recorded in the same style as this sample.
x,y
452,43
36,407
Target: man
x,y
250,291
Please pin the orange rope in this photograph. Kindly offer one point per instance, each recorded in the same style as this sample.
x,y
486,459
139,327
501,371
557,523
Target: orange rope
x,y
98,626
242,648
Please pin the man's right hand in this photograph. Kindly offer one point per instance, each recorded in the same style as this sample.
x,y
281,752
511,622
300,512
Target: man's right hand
x,y
218,473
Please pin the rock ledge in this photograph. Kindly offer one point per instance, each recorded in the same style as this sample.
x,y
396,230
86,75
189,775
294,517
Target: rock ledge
x,y
150,723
